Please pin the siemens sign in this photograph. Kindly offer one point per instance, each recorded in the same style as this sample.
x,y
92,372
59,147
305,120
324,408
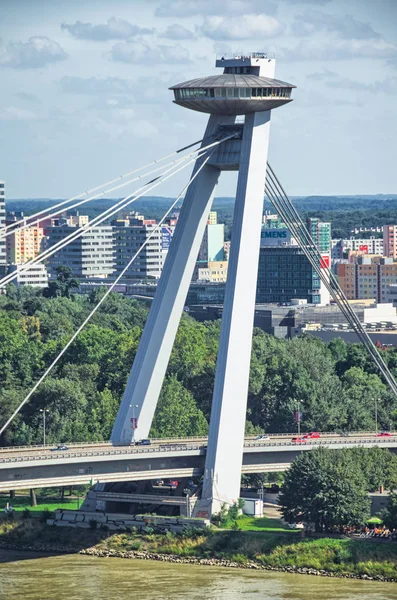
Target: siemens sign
x,y
275,237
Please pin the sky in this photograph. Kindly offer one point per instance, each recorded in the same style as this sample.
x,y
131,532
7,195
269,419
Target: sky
x,y
84,89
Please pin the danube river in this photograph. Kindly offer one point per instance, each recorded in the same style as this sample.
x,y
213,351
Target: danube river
x,y
28,576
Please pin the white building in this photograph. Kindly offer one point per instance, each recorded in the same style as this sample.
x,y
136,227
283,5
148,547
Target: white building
x,y
370,245
90,255
128,237
36,276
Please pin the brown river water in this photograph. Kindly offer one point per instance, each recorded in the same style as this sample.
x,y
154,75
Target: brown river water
x,y
29,576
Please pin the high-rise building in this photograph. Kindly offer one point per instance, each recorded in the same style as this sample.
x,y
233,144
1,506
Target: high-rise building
x,y
211,248
390,240
284,272
24,244
3,258
367,278
128,236
320,232
90,255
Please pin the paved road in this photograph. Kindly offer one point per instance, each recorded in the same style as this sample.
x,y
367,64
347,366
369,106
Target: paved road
x,y
18,454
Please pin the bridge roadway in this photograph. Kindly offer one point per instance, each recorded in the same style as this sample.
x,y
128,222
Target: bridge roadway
x,y
26,467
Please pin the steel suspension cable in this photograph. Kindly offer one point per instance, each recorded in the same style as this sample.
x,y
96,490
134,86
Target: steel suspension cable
x,y
101,301
297,227
15,226
107,214
315,265
332,282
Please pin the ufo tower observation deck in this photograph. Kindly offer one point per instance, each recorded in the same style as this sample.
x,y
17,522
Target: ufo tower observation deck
x,y
246,87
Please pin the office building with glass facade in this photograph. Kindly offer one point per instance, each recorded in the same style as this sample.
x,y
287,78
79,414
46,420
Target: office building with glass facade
x,y
284,273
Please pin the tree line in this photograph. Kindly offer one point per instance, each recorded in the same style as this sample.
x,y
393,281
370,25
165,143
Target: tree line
x,y
335,385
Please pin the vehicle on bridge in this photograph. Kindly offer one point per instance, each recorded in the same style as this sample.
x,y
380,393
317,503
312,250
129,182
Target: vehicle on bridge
x,y
312,435
384,434
60,448
144,442
262,438
300,439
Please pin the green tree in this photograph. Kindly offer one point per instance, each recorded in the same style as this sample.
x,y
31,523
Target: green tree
x,y
63,285
177,414
326,488
389,515
360,392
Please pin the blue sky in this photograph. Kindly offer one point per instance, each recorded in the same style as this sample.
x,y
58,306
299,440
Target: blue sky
x,y
84,89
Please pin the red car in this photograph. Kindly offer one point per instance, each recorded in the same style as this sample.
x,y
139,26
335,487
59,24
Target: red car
x,y
299,439
172,483
384,434
312,435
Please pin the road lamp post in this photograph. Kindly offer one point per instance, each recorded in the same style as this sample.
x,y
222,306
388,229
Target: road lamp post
x,y
376,415
44,411
298,415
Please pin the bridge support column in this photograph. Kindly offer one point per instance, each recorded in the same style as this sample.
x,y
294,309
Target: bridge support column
x,y
226,435
139,402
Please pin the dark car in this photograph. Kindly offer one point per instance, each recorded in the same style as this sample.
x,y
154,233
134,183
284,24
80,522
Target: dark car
x,y
143,443
61,447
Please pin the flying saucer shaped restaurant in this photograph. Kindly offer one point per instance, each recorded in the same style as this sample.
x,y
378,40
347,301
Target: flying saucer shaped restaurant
x,y
230,94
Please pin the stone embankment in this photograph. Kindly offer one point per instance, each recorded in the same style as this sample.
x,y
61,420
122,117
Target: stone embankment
x,y
192,560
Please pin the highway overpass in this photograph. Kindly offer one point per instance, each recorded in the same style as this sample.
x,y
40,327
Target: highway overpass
x,y
22,468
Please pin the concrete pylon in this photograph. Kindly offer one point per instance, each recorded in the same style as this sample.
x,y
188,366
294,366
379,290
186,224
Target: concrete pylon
x,y
246,88
222,472
140,398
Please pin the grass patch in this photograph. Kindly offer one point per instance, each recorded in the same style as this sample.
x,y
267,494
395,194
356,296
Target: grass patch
x,y
246,523
269,548
52,503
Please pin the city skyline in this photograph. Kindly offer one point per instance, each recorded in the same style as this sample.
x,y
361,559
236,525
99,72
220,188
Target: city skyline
x,y
85,89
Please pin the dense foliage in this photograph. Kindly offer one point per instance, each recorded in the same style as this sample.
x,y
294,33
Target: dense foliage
x,y
335,383
329,488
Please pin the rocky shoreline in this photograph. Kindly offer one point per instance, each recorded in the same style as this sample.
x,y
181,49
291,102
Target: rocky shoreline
x,y
173,558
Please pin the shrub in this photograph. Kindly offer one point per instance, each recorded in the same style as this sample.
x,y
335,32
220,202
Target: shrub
x,y
26,514
46,514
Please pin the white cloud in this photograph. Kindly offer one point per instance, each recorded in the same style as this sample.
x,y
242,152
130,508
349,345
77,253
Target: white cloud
x,y
345,26
12,113
96,85
338,49
334,80
119,122
240,28
325,74
189,8
177,32
138,52
113,29
38,51
27,97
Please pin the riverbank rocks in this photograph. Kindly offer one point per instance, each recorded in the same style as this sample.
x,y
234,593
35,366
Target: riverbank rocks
x,y
192,560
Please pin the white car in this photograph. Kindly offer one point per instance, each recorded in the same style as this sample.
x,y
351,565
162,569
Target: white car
x,y
296,525
263,438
